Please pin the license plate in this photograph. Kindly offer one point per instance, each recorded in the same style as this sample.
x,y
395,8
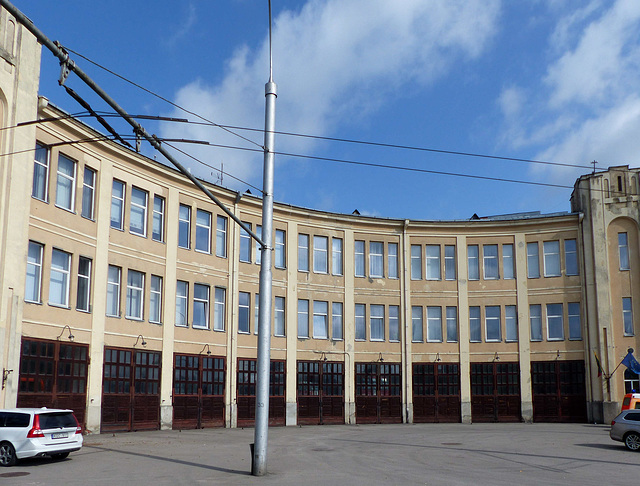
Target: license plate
x,y
60,435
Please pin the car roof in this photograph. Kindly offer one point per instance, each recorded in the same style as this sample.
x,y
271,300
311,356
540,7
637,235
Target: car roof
x,y
35,410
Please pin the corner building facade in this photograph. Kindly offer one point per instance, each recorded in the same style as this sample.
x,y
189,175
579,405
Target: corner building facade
x,y
128,296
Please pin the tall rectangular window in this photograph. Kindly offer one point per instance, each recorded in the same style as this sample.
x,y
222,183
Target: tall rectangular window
x,y
416,324
433,262
394,323
88,192
59,278
361,322
320,319
135,294
359,258
627,317
623,251
376,322
492,323
66,183
203,231
490,262
320,254
473,262
575,326
256,315
303,318
449,262
138,212
245,244
535,322
376,259
571,257
157,232
416,262
113,291
336,256
303,252
508,267
551,252
40,173
336,321
434,324
555,322
279,323
244,312
200,306
221,237
510,323
155,300
34,273
219,310
84,284
280,254
392,260
258,247
184,226
533,261
452,324
475,326
182,302
117,205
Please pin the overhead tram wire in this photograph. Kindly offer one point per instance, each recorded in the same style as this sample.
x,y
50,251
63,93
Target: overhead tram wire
x,y
230,128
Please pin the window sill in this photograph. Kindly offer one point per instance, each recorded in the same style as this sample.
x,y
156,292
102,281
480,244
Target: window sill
x,y
201,328
68,210
59,306
204,252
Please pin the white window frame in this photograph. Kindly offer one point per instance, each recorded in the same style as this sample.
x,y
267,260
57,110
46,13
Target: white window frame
x,y
450,262
336,256
34,273
303,319
392,260
508,267
416,262
623,251
432,260
417,331
244,254
490,322
320,319
184,226
535,322
201,306
571,257
303,252
320,254
117,204
376,259
376,322
490,262
84,285
533,260
359,258
88,193
204,220
553,319
627,317
452,324
182,303
114,280
575,321
280,260
65,180
157,230
551,253
279,323
258,248
510,324
337,332
135,312
61,274
244,313
360,322
434,324
221,236
475,324
473,262
155,299
140,210
39,167
219,310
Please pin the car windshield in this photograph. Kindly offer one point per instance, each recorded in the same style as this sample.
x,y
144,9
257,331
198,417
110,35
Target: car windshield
x,y
57,420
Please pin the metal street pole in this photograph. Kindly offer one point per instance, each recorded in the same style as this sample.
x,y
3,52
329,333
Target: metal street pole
x,y
259,459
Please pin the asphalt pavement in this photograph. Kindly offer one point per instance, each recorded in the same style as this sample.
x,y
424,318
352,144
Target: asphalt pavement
x,y
403,454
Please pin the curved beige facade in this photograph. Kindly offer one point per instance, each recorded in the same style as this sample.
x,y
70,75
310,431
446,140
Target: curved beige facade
x,y
130,297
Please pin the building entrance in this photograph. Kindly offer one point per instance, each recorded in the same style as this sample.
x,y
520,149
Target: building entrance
x,y
495,392
378,393
436,392
320,393
559,393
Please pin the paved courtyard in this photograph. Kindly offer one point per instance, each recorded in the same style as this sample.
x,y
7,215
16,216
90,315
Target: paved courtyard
x,y
429,454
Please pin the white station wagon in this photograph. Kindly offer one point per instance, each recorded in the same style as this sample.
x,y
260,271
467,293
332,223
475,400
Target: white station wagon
x,y
37,432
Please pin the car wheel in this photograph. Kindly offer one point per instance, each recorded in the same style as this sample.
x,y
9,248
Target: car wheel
x,y
59,457
7,454
632,441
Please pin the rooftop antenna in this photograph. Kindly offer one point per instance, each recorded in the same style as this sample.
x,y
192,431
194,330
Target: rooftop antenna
x,y
259,450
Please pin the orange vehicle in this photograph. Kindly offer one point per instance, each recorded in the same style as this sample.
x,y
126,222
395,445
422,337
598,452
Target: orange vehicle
x,y
631,400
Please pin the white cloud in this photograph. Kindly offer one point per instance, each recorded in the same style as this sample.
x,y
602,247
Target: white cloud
x,y
335,61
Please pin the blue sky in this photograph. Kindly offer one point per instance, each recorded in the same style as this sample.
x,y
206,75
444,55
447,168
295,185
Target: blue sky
x,y
551,80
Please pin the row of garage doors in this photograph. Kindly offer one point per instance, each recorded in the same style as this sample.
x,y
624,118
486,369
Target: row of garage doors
x,y
54,374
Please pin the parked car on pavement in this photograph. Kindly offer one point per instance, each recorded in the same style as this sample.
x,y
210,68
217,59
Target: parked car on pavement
x,y
37,432
626,428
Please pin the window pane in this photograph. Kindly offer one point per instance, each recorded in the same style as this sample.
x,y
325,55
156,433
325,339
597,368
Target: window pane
x,y
203,231
376,259
182,295
279,324
533,263
452,324
84,284
201,306
303,318
571,257
221,237
359,258
280,256
475,329
551,258
219,311
376,318
449,262
34,272
511,323
361,326
40,172
135,294
394,323
393,260
416,324
336,320
320,255
65,185
88,192
575,326
492,323
113,291
245,244
508,267
490,261
535,321
59,278
244,302
184,227
303,253
473,261
627,316
555,327
416,262
434,324
138,216
117,205
320,320
433,262
158,218
623,251
155,303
